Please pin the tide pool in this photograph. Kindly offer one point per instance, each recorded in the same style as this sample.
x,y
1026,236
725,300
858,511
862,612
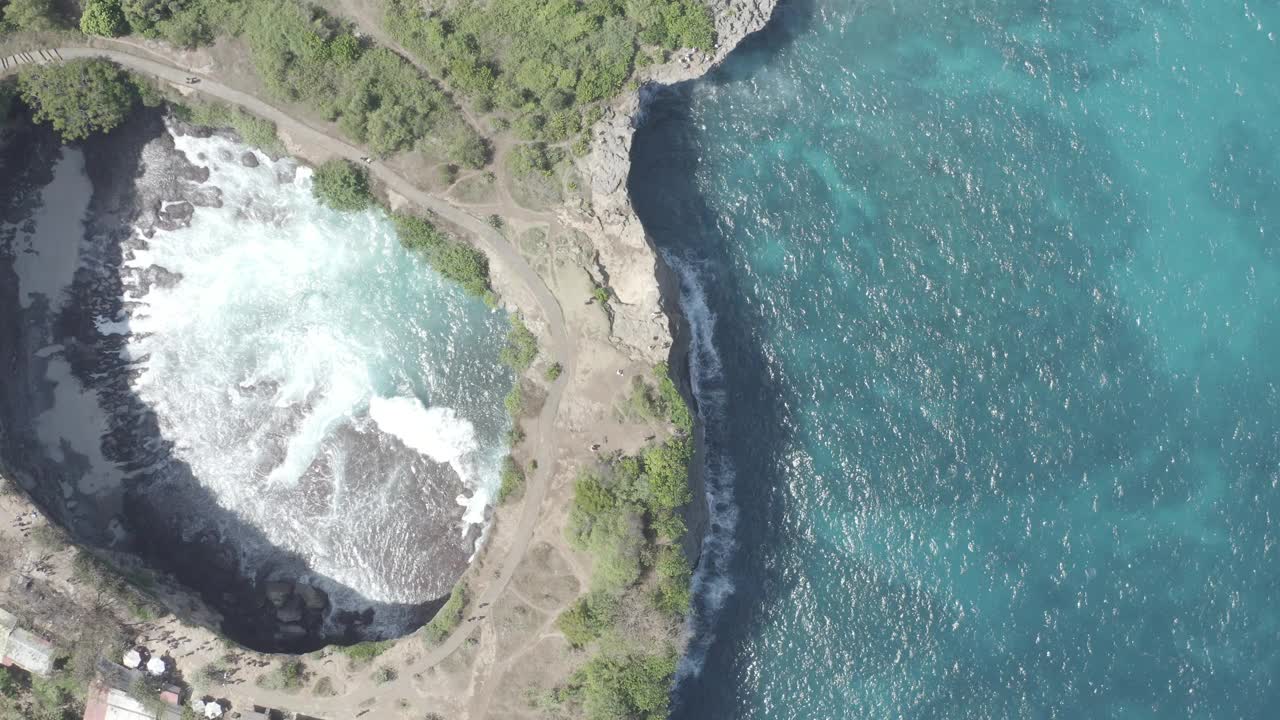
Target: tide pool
x,y
985,301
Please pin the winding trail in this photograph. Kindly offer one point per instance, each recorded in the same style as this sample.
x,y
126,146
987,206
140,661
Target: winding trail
x,y
499,250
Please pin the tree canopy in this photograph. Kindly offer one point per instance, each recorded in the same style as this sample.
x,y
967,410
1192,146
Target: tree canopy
x,y
342,185
103,17
78,97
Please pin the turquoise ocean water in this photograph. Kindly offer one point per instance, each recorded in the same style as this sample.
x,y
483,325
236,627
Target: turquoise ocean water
x,y
986,298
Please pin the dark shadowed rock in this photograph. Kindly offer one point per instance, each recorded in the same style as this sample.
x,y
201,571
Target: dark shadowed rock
x,y
248,159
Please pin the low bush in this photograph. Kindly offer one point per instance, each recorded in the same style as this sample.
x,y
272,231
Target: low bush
x,y
448,617
553,372
31,15
454,259
514,401
512,480
521,347
289,675
342,185
256,131
628,683
587,619
366,651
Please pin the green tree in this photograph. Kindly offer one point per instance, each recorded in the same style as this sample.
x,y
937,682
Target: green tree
x,y
630,684
103,17
32,15
469,150
342,185
667,467
78,97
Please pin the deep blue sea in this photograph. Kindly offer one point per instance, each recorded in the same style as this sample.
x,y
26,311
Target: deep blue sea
x,y
987,310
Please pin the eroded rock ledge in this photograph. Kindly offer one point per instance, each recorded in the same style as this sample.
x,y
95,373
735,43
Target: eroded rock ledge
x,y
626,256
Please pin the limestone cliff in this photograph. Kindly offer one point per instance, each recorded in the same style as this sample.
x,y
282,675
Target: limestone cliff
x,y
626,257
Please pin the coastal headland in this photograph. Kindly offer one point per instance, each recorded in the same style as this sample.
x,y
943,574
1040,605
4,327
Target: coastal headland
x,y
548,262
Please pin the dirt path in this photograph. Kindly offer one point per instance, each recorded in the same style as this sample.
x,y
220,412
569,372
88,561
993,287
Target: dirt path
x,y
515,273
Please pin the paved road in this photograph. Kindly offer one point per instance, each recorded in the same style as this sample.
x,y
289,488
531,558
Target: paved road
x,y
500,253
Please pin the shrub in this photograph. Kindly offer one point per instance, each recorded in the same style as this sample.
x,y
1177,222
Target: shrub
x,y
587,619
448,617
512,479
667,468
256,131
521,347
673,574
219,671
455,260
77,97
553,371
290,675
342,185
103,17
601,295
532,158
631,683
469,150
514,401
671,400
366,651
384,675
32,15
324,688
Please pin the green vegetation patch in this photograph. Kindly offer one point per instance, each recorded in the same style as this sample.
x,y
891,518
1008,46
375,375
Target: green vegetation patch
x,y
521,348
103,17
78,97
624,515
454,259
30,15
543,59
342,185
289,675
448,618
256,131
512,480
553,372
659,400
366,651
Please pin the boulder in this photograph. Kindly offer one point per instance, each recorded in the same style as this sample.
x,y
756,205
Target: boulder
x,y
248,159
312,597
278,591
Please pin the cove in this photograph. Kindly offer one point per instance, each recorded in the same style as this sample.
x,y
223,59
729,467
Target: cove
x,y
273,401
984,309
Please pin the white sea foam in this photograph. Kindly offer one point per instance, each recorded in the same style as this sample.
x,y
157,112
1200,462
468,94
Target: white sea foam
x,y
295,338
712,584
441,435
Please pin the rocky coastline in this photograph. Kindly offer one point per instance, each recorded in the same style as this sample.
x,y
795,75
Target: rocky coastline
x,y
647,320
152,508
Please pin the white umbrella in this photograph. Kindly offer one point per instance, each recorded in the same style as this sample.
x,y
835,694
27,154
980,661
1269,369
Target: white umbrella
x,y
213,710
155,666
132,659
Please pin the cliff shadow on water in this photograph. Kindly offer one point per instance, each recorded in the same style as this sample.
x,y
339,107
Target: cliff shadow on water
x,y
739,404
50,349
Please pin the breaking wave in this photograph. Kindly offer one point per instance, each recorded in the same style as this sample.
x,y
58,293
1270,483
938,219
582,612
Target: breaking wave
x,y
712,584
